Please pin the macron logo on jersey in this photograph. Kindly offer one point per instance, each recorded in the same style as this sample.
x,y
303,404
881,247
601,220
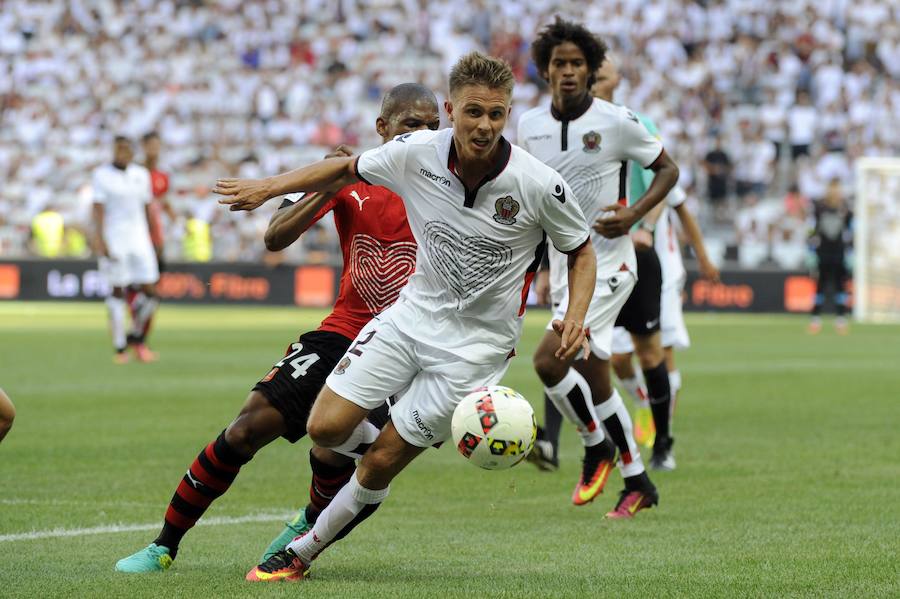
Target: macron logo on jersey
x,y
436,178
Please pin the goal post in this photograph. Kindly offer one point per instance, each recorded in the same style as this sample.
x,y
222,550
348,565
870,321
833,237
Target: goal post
x,y
876,276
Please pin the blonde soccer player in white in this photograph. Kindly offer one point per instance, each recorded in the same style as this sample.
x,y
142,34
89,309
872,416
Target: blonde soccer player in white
x,y
480,210
122,192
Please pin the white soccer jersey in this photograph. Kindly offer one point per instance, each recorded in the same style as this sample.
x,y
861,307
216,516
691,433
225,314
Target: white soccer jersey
x,y
477,249
591,151
665,241
124,195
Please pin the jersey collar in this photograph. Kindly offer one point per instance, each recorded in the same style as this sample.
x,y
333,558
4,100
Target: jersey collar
x,y
499,166
573,114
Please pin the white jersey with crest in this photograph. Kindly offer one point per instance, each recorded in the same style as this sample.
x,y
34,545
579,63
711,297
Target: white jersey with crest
x,y
124,195
478,249
591,149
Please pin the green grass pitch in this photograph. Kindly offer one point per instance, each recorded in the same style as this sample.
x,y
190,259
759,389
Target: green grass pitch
x,y
788,481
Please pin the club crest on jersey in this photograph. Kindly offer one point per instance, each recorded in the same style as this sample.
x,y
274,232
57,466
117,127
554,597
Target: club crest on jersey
x,y
507,209
342,365
591,141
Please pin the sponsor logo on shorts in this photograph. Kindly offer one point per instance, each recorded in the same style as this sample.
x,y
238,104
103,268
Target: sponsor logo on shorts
x,y
651,323
613,283
425,430
342,365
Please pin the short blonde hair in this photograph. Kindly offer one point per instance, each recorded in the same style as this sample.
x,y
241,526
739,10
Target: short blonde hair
x,y
476,68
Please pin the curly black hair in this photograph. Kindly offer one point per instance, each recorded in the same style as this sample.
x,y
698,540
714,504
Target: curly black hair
x,y
561,31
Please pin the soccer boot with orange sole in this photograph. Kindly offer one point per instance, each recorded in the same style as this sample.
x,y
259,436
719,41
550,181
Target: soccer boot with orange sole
x,y
599,461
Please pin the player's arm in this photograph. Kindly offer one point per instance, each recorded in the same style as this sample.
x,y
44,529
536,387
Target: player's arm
x,y
708,270
619,223
327,175
292,221
643,236
582,280
99,213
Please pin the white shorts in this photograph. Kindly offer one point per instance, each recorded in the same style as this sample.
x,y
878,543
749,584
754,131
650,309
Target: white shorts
x,y
384,362
671,319
610,294
130,266
621,341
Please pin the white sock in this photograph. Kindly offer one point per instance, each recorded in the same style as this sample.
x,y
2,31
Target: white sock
x,y
117,308
346,505
637,389
572,396
675,385
359,440
630,463
144,312
675,381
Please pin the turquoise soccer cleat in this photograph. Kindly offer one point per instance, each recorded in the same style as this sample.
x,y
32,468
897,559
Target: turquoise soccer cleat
x,y
152,558
294,528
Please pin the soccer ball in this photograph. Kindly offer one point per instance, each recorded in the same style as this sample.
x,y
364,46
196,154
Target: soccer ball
x,y
494,427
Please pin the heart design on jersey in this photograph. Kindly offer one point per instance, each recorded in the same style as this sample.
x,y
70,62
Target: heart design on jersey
x,y
379,271
467,263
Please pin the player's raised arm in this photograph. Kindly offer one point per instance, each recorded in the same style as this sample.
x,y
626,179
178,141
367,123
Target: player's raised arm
x,y
249,194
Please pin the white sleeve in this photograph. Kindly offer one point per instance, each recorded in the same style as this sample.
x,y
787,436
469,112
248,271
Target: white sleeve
x,y
384,165
676,197
98,191
562,218
638,143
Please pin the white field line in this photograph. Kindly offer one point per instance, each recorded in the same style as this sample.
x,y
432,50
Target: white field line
x,y
58,533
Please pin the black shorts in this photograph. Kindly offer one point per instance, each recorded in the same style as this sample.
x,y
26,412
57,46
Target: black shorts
x,y
294,382
640,314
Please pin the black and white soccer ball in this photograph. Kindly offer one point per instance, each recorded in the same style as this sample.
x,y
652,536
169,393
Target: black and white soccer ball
x,y
494,427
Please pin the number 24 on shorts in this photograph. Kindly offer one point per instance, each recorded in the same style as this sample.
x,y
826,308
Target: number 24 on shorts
x,y
300,364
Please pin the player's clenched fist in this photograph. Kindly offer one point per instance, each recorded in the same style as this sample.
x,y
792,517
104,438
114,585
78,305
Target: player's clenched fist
x,y
616,224
572,338
243,194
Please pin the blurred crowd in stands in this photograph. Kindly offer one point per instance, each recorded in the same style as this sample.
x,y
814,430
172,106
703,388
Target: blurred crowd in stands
x,y
762,104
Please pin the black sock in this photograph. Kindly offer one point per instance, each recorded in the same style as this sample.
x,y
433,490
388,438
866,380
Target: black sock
x,y
552,424
327,480
616,432
660,398
209,476
638,482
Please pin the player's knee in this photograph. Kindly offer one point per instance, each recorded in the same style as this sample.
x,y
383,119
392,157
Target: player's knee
x,y
621,365
326,434
549,368
240,436
118,292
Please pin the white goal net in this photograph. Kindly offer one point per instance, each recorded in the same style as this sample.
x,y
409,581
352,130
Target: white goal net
x,y
876,283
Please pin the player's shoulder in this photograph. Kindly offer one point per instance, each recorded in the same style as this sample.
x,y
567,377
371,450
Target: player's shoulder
x,y
531,169
361,189
617,111
535,115
423,137
139,170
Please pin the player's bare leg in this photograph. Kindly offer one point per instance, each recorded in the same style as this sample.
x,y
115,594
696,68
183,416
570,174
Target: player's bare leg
x,y
572,396
633,382
355,502
339,424
651,358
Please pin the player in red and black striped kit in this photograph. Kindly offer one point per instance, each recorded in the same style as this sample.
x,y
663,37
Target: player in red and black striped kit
x,y
379,255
